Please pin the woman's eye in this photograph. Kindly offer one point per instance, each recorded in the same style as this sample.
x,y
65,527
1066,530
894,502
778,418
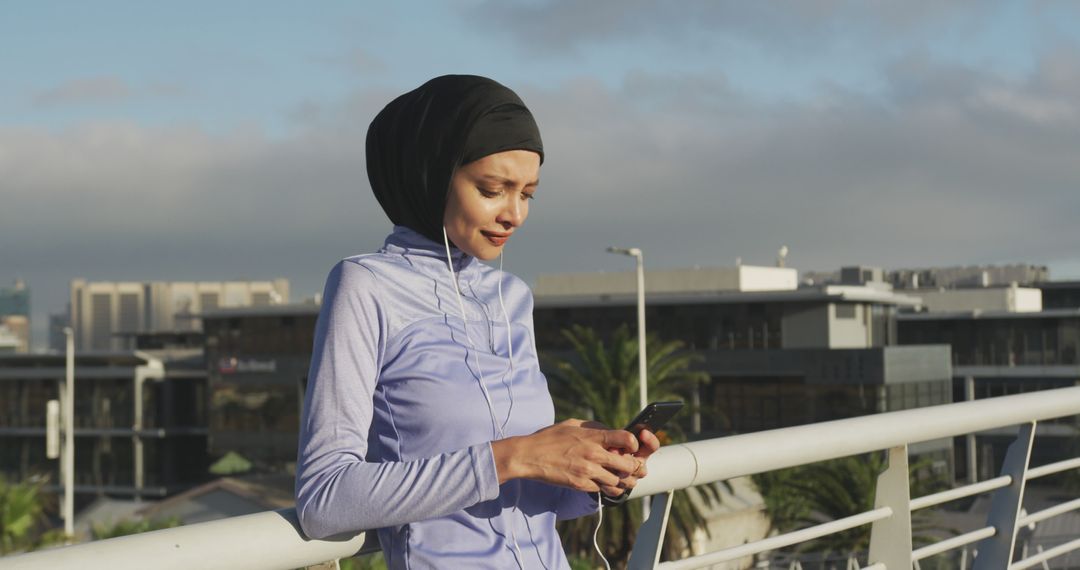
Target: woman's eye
x,y
488,193
525,196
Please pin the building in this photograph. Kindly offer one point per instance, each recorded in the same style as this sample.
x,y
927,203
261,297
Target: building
x,y
949,277
140,420
15,318
15,300
102,309
1060,294
1001,349
1009,298
737,314
9,342
57,323
258,360
777,355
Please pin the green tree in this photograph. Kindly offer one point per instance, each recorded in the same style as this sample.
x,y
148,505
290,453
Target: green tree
x,y
126,527
808,495
600,382
22,514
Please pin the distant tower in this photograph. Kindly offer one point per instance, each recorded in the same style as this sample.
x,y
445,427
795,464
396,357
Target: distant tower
x,y
781,257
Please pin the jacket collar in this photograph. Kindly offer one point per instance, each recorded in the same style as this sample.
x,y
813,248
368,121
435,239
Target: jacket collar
x,y
414,245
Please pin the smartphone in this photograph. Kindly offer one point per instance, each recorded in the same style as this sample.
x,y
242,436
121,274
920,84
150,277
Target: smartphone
x,y
654,416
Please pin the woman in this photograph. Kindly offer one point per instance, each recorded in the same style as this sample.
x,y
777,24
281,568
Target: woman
x,y
426,412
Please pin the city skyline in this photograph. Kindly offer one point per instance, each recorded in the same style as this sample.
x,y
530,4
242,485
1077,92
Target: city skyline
x,y
206,142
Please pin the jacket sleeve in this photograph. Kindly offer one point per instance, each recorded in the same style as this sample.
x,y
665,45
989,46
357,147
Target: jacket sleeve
x,y
337,490
574,504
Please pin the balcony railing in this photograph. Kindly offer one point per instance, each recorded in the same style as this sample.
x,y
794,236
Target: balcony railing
x,y
273,539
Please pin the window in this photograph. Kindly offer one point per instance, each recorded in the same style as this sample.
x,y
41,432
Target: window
x,y
845,311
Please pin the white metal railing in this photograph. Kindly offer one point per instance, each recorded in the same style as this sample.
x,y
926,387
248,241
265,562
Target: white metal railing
x,y
890,546
273,539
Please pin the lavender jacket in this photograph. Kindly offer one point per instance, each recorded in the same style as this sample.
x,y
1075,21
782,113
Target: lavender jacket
x,y
396,432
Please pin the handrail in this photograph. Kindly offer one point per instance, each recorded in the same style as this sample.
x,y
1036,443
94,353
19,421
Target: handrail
x,y
273,539
701,462
270,539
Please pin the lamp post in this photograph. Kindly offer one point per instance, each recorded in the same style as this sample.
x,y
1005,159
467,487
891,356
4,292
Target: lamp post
x,y
636,254
68,460
643,389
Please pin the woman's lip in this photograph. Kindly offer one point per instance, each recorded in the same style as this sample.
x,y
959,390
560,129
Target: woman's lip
x,y
494,238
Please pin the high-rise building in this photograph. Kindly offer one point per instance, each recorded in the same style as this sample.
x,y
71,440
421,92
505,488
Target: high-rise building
x,y
57,323
16,328
105,313
15,317
15,300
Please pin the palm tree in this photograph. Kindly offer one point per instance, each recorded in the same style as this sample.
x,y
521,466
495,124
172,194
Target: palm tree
x,y
600,382
22,510
809,495
127,527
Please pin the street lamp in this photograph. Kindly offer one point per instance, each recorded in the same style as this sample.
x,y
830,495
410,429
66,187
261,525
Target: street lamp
x,y
636,254
643,389
69,436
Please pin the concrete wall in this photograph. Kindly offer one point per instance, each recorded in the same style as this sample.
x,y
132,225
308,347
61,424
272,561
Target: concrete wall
x,y
741,278
1011,299
849,332
918,363
805,326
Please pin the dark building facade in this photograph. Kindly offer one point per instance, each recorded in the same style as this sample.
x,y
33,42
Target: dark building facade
x,y
1060,294
777,359
258,362
1003,353
140,420
763,374
1045,338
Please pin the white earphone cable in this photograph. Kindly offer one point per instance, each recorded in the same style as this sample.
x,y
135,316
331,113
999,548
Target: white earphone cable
x,y
596,533
483,388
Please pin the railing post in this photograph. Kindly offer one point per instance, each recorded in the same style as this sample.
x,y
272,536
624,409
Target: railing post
x,y
650,537
890,539
996,552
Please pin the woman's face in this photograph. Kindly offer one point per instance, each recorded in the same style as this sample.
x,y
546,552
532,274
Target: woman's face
x,y
489,200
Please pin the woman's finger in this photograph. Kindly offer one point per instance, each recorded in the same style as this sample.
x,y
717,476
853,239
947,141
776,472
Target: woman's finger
x,y
649,443
619,439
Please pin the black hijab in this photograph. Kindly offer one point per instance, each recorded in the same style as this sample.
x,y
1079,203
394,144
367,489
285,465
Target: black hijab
x,y
417,141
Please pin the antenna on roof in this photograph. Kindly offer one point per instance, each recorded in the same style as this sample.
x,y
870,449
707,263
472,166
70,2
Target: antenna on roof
x,y
781,257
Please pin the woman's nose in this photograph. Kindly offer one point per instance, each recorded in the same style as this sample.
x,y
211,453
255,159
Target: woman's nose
x,y
512,213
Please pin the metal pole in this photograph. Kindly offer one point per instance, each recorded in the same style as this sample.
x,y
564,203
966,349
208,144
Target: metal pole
x,y
972,452
69,437
136,429
644,388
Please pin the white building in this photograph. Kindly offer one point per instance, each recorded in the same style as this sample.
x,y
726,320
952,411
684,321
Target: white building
x,y
1010,299
100,309
699,280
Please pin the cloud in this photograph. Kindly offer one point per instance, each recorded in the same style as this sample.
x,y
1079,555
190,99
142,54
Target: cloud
x,y
357,61
945,165
949,165
565,26
104,89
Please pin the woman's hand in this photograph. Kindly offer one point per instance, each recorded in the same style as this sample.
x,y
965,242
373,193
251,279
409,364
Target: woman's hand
x,y
648,443
574,453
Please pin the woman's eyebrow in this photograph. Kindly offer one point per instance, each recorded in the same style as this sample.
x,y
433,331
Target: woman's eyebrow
x,y
504,181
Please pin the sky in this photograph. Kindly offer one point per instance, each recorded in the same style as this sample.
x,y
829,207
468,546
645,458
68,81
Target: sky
x,y
224,140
